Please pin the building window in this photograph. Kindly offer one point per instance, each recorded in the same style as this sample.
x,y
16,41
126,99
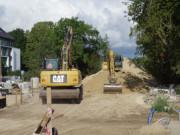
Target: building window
x,y
4,51
4,61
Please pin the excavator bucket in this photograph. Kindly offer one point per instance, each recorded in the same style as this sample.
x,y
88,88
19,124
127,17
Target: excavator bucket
x,y
112,88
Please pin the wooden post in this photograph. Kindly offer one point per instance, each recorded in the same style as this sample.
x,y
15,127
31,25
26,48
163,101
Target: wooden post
x,y
21,94
22,78
32,88
49,102
16,97
1,78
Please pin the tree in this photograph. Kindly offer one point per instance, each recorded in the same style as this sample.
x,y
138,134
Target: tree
x,y
19,38
40,45
105,51
87,44
4,71
46,40
157,34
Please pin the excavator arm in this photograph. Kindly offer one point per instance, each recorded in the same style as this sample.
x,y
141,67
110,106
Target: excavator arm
x,y
112,78
112,87
66,54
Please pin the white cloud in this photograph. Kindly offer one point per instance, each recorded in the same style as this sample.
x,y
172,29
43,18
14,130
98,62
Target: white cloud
x,y
105,15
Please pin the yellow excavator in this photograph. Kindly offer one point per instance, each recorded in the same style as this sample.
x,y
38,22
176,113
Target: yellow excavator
x,y
105,66
112,87
118,63
65,81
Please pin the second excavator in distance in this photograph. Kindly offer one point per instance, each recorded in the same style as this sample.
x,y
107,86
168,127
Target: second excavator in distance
x,y
112,87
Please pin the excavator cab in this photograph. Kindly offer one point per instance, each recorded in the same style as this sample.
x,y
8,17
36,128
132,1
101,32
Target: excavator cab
x,y
51,64
117,63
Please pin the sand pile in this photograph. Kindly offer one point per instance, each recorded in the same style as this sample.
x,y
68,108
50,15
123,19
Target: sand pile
x,y
154,129
133,80
106,106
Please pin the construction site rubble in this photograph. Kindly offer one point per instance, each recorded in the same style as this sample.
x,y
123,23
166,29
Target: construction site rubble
x,y
98,113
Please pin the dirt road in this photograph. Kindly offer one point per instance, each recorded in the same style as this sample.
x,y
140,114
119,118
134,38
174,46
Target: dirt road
x,y
98,113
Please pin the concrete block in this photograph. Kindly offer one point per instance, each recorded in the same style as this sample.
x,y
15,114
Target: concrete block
x,y
7,85
11,99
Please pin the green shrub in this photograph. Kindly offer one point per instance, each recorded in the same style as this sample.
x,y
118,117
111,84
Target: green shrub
x,y
178,90
161,105
15,73
27,76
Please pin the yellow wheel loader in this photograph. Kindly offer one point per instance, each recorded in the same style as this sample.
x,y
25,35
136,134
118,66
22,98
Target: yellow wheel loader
x,y
112,87
65,81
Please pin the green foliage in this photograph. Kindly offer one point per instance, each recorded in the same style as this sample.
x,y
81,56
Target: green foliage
x,y
140,62
40,44
28,75
178,90
19,38
14,73
161,105
86,46
46,40
4,71
157,34
106,49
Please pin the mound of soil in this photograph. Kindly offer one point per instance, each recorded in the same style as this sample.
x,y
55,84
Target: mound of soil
x,y
154,129
131,78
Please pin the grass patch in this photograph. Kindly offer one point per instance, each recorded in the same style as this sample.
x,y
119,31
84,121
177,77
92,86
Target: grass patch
x,y
161,105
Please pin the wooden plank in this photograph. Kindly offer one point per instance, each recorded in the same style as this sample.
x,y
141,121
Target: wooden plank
x,y
16,97
32,88
22,78
21,94
49,102
44,121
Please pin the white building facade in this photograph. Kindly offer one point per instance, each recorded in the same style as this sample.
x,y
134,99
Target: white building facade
x,y
11,56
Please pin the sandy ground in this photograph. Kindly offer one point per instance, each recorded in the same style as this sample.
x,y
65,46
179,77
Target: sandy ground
x,y
98,113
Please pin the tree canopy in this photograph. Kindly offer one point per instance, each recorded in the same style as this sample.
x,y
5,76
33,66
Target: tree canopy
x,y
40,45
157,32
46,40
19,38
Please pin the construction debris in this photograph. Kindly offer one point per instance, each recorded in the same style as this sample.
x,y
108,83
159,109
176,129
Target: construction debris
x,y
98,113
46,118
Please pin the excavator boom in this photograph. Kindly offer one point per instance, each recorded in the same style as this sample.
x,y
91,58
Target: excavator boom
x,y
66,53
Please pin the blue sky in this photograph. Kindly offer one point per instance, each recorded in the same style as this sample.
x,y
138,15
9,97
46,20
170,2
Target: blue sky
x,y
107,16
